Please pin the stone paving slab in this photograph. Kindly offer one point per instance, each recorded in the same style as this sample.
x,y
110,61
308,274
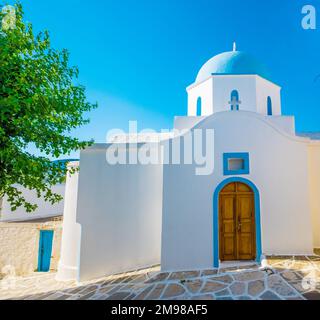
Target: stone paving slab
x,y
285,278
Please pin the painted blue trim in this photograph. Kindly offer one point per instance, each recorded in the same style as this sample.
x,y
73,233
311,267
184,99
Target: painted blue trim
x,y
216,217
236,155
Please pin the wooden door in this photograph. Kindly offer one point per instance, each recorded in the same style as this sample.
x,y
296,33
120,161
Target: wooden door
x,y
236,222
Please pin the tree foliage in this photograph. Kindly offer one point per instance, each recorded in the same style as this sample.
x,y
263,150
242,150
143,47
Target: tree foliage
x,y
40,104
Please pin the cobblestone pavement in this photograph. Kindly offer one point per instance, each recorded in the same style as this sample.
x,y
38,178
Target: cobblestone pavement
x,y
284,278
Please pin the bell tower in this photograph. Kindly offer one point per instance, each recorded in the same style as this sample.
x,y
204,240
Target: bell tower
x,y
233,81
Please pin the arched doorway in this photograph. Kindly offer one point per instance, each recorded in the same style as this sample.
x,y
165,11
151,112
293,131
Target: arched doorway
x,y
237,225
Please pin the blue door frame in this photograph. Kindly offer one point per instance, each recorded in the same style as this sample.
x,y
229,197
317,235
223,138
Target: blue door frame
x,y
45,249
216,217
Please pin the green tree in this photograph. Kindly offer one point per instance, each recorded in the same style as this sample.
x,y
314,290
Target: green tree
x,y
40,103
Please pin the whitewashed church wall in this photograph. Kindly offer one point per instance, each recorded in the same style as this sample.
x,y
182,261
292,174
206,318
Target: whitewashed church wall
x,y
184,123
119,209
267,89
314,178
278,168
45,209
286,123
204,91
223,85
216,91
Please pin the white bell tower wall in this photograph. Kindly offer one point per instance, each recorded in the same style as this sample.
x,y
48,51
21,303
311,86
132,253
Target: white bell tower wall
x,y
267,89
204,92
226,92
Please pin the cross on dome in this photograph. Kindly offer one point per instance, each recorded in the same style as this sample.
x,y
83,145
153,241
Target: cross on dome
x,y
234,47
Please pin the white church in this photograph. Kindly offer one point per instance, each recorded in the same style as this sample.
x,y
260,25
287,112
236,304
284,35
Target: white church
x,y
261,198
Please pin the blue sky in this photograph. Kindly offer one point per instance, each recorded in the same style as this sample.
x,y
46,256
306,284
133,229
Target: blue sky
x,y
137,57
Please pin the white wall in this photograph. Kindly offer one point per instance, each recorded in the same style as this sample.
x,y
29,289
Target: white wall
x,y
45,209
286,123
119,210
278,168
68,267
185,123
204,91
215,93
223,86
267,89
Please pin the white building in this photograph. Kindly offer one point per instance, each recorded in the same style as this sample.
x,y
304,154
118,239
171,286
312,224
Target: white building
x,y
44,208
261,198
30,241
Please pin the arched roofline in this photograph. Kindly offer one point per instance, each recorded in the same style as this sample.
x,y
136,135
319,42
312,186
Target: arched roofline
x,y
254,115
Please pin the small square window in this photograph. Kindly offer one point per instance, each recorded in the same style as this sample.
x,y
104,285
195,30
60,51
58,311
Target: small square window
x,y
235,163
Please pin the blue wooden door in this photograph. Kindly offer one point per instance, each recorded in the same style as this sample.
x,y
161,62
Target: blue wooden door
x,y
45,249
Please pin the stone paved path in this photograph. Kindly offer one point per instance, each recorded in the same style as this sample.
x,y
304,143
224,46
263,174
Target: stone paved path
x,y
284,278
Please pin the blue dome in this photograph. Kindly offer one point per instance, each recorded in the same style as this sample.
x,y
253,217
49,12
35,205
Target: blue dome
x,y
233,62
